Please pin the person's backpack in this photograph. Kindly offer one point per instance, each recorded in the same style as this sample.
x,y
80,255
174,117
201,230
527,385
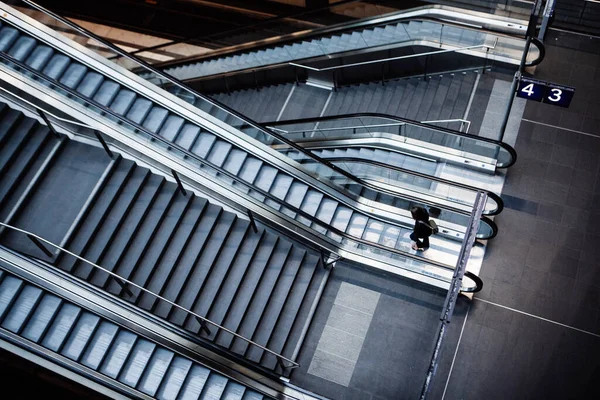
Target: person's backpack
x,y
431,225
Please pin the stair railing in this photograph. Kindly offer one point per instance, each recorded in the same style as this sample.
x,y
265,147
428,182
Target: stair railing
x,y
405,57
127,285
464,122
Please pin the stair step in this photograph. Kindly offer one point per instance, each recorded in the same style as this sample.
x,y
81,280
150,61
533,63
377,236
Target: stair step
x,y
296,297
179,276
232,316
262,295
229,286
235,242
155,236
98,213
103,233
272,312
124,231
174,252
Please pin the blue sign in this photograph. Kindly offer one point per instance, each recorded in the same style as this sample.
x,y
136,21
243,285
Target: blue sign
x,y
559,95
531,89
546,92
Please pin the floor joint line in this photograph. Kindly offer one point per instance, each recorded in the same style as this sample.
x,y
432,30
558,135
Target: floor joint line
x,y
559,127
456,351
538,317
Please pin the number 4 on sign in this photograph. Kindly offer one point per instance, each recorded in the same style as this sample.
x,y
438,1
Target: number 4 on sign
x,y
528,89
531,90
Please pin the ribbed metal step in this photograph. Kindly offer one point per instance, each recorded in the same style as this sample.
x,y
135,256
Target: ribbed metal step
x,y
394,33
71,332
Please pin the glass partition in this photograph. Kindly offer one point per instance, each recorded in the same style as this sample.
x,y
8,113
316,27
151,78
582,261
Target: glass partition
x,y
445,141
428,188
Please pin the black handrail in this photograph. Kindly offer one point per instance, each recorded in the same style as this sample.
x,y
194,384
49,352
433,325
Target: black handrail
x,y
503,145
483,218
494,196
246,120
541,48
159,138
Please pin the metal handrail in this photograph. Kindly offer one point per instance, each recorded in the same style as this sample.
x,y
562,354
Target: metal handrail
x,y
302,213
118,277
341,128
428,53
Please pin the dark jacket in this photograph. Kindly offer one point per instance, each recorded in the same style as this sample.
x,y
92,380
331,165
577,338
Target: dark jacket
x,y
421,230
421,214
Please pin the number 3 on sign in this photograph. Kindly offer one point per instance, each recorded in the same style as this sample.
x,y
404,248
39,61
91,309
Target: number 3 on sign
x,y
555,95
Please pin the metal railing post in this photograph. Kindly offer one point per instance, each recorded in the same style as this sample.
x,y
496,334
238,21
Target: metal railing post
x,y
226,85
487,52
203,326
179,184
124,286
103,143
40,245
48,123
324,260
454,290
425,70
252,222
335,84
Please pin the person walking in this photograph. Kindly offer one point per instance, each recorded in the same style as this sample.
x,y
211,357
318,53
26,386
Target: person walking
x,y
422,230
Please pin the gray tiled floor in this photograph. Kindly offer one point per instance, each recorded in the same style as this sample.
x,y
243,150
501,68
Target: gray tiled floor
x,y
399,341
544,263
534,330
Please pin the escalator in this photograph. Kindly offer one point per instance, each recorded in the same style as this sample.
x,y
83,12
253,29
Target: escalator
x,y
374,147
380,169
81,333
343,226
141,111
